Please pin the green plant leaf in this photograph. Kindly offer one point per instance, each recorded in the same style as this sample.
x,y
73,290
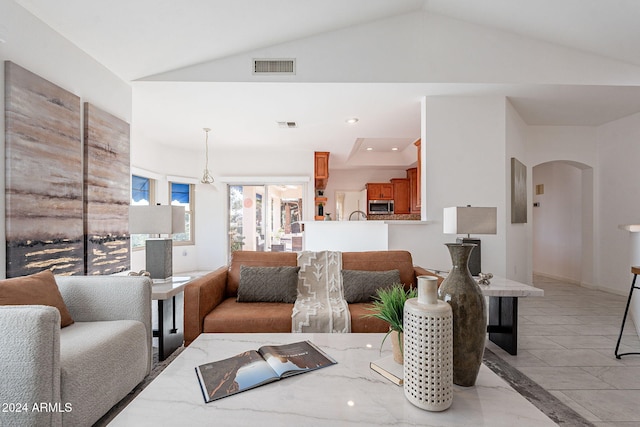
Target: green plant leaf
x,y
388,305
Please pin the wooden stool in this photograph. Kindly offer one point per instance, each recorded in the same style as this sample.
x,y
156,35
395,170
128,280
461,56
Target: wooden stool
x,y
635,271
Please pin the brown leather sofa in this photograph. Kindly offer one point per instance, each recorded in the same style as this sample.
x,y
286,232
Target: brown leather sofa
x,y
210,301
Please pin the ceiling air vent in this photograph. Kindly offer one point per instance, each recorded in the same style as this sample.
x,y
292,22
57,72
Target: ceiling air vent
x,y
274,66
287,125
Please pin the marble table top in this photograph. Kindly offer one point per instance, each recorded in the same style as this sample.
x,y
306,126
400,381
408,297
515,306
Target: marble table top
x,y
166,288
346,394
503,287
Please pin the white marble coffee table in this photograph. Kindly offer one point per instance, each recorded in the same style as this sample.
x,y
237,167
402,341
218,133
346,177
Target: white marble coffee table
x,y
348,393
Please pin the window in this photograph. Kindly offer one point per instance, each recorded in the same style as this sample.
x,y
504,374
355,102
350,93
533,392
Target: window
x,y
182,195
265,217
141,190
142,193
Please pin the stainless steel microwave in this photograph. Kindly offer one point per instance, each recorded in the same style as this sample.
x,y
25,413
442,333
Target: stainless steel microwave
x,y
380,207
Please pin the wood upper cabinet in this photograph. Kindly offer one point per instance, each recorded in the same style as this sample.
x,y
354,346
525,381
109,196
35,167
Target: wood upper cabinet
x,y
418,203
414,196
401,196
379,191
321,169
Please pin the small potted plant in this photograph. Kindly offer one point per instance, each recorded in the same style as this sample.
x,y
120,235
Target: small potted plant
x,y
388,305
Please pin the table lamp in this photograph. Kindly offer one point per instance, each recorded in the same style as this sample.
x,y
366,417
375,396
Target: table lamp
x,y
157,219
470,220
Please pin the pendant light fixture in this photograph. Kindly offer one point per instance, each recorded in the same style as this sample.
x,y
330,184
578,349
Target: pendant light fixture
x,y
206,176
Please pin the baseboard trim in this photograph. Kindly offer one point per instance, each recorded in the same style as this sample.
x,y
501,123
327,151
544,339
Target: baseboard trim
x,y
558,278
586,285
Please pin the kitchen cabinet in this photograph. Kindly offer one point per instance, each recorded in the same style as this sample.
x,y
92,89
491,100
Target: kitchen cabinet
x,y
380,191
414,189
321,169
418,202
401,195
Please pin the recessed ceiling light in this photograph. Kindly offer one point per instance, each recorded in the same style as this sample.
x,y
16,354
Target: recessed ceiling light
x,y
369,148
394,149
352,120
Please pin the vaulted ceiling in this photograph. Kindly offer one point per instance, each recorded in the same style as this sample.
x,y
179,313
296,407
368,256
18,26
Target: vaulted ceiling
x,y
164,48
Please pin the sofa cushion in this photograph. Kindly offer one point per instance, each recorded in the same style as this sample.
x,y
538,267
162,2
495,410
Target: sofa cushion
x,y
36,289
90,355
236,317
361,285
380,261
268,284
255,259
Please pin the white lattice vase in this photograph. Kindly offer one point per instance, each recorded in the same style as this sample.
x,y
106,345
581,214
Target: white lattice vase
x,y
428,348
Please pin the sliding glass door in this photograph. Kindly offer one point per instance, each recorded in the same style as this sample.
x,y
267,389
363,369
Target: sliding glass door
x,y
265,217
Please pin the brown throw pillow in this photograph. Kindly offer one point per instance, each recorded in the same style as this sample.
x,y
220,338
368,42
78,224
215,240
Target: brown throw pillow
x,y
268,284
36,289
361,285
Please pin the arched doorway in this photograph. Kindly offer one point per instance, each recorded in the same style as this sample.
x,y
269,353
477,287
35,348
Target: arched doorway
x,y
563,196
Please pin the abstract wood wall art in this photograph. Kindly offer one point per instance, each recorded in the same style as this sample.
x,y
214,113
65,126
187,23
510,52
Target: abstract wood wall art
x,y
43,176
107,192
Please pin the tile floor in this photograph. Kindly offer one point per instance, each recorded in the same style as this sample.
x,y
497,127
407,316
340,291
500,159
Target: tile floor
x,y
566,344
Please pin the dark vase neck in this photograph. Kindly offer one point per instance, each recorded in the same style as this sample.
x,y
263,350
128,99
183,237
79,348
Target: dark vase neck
x,y
460,256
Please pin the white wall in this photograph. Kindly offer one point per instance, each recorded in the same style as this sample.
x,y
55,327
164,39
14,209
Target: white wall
x,y
464,164
346,236
518,261
419,47
571,143
557,222
577,146
619,199
36,47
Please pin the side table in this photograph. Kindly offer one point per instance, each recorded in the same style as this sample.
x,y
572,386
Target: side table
x,y
169,296
503,295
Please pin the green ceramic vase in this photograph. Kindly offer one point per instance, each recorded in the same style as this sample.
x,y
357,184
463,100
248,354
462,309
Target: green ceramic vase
x,y
462,292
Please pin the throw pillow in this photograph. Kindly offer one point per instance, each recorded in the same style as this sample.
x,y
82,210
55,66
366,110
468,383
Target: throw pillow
x,y
36,289
361,285
268,284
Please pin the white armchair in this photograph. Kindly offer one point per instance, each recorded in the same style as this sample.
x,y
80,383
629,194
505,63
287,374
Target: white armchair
x,y
73,376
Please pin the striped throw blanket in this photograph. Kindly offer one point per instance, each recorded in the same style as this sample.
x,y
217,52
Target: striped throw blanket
x,y
320,306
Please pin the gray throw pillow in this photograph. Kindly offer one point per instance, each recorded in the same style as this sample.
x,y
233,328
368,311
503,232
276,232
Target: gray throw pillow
x,y
361,286
268,284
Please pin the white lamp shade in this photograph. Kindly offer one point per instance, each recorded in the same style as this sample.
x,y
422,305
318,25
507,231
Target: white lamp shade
x,y
156,219
470,220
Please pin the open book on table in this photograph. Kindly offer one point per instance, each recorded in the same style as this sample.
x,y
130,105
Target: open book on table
x,y
254,368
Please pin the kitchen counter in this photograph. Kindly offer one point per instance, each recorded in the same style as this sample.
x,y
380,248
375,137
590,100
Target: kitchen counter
x,y
394,217
351,236
346,236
